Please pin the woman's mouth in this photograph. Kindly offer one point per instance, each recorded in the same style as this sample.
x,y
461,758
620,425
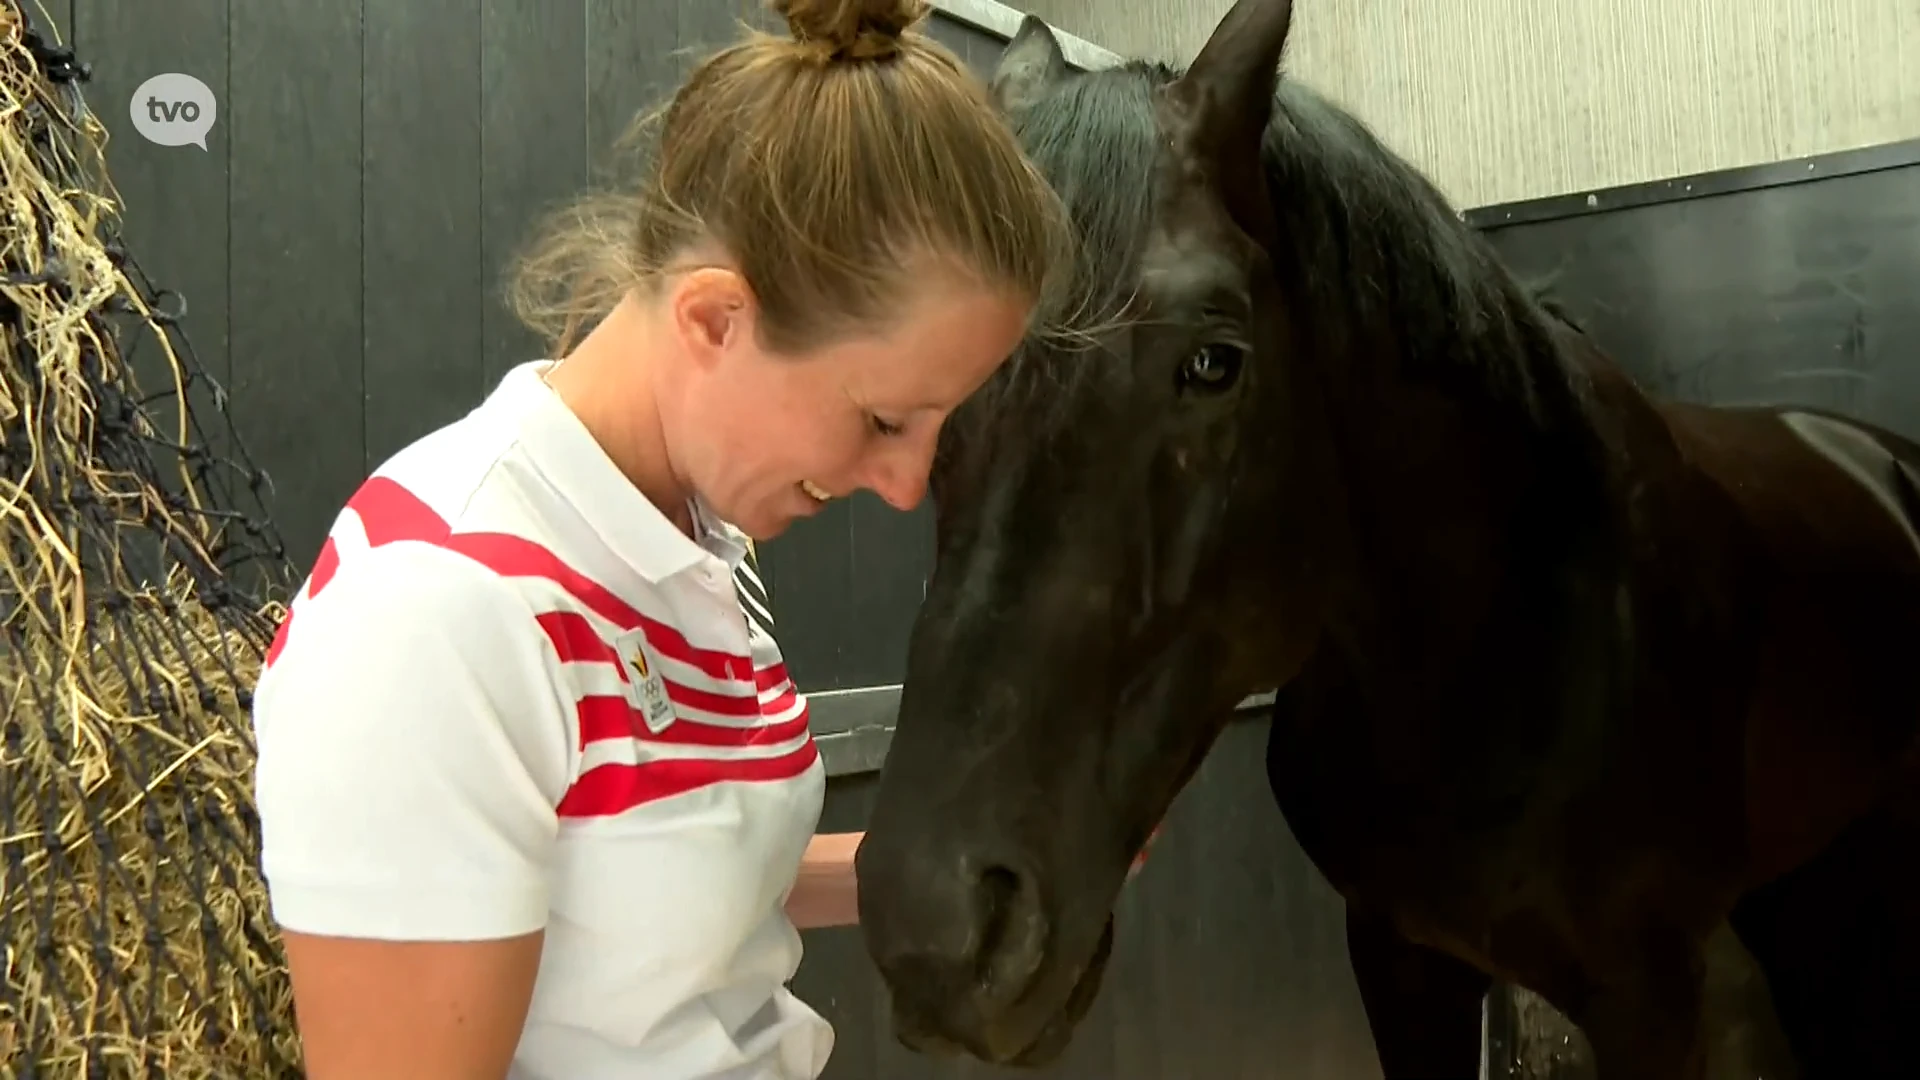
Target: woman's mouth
x,y
815,491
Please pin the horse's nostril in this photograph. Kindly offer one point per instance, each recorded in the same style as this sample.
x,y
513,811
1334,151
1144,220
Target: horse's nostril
x,y
1012,933
998,890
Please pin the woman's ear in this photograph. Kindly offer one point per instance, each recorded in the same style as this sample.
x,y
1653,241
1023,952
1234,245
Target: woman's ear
x,y
713,311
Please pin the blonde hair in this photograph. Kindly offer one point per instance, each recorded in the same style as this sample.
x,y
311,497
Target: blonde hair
x,y
830,166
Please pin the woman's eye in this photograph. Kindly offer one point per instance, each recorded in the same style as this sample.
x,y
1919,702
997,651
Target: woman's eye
x,y
885,427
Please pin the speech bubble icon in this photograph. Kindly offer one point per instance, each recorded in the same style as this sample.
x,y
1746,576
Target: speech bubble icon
x,y
173,110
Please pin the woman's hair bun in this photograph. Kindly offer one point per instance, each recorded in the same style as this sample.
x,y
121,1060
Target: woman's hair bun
x,y
851,29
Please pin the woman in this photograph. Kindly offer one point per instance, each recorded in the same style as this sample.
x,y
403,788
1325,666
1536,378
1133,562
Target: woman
x,y
537,797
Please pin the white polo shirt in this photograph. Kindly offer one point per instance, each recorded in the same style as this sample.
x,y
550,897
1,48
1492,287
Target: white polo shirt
x,y
513,696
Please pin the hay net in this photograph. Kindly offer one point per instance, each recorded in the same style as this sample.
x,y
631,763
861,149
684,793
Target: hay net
x,y
134,580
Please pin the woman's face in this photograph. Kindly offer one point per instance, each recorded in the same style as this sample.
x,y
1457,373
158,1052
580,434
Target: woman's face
x,y
767,438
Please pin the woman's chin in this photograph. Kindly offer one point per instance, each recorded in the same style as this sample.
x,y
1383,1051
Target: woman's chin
x,y
768,519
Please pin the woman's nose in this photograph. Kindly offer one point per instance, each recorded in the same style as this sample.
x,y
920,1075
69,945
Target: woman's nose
x,y
899,475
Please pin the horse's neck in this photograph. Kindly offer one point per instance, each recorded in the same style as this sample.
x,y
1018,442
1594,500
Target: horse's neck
x,y
1461,502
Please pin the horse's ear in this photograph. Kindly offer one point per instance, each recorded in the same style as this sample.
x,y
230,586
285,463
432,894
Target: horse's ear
x,y
1028,68
1221,106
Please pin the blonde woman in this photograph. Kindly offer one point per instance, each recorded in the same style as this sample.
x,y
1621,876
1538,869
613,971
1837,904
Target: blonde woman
x,y
537,795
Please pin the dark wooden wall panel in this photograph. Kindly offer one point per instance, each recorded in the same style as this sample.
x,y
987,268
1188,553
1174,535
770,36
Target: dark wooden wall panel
x,y
294,152
533,149
422,291
630,68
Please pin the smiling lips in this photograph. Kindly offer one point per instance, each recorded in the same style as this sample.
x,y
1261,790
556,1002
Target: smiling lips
x,y
815,491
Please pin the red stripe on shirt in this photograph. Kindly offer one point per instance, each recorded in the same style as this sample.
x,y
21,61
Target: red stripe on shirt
x,y
604,716
389,513
575,640
613,789
324,567
770,676
279,642
515,556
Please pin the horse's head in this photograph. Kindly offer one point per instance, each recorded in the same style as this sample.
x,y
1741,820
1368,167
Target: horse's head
x,y
1106,520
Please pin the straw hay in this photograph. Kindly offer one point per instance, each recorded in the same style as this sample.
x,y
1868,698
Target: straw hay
x,y
134,919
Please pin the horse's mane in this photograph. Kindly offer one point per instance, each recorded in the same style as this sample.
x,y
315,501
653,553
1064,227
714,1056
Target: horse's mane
x,y
1386,264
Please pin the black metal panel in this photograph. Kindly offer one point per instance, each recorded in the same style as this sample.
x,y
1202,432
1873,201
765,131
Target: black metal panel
x,y
293,111
1699,185
420,159
533,149
1229,963
1801,293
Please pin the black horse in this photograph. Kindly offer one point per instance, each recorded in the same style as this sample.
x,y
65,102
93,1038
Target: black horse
x,y
1570,679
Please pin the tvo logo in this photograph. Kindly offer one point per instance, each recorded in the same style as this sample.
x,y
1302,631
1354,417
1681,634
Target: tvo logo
x,y
173,110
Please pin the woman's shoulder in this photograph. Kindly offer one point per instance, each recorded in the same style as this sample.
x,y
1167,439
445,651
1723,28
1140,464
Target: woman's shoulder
x,y
412,599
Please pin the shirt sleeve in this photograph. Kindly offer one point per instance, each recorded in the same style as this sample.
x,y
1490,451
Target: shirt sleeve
x,y
412,747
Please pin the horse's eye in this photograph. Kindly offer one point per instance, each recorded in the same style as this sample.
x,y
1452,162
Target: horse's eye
x,y
1212,368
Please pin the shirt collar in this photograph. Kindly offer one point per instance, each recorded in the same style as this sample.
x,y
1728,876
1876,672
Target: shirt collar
x,y
571,460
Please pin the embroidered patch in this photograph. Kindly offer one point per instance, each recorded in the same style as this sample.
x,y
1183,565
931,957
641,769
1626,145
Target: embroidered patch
x,y
646,689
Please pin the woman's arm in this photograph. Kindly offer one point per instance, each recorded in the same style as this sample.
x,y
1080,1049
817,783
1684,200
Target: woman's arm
x,y
825,894
410,1010
411,751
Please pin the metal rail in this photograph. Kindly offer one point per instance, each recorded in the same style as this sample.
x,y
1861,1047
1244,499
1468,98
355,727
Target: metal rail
x,y
857,725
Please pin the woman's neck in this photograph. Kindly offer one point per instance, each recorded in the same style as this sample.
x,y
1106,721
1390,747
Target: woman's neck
x,y
607,383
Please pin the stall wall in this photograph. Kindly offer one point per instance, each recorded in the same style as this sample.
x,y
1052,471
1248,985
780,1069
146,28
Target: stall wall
x,y
1501,100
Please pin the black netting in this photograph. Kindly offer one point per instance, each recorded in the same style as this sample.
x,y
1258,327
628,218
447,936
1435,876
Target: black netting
x,y
138,579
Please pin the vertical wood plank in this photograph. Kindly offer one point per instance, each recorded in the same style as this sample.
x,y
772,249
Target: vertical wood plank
x,y
173,223
421,291
891,554
533,148
297,334
809,571
709,25
631,69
